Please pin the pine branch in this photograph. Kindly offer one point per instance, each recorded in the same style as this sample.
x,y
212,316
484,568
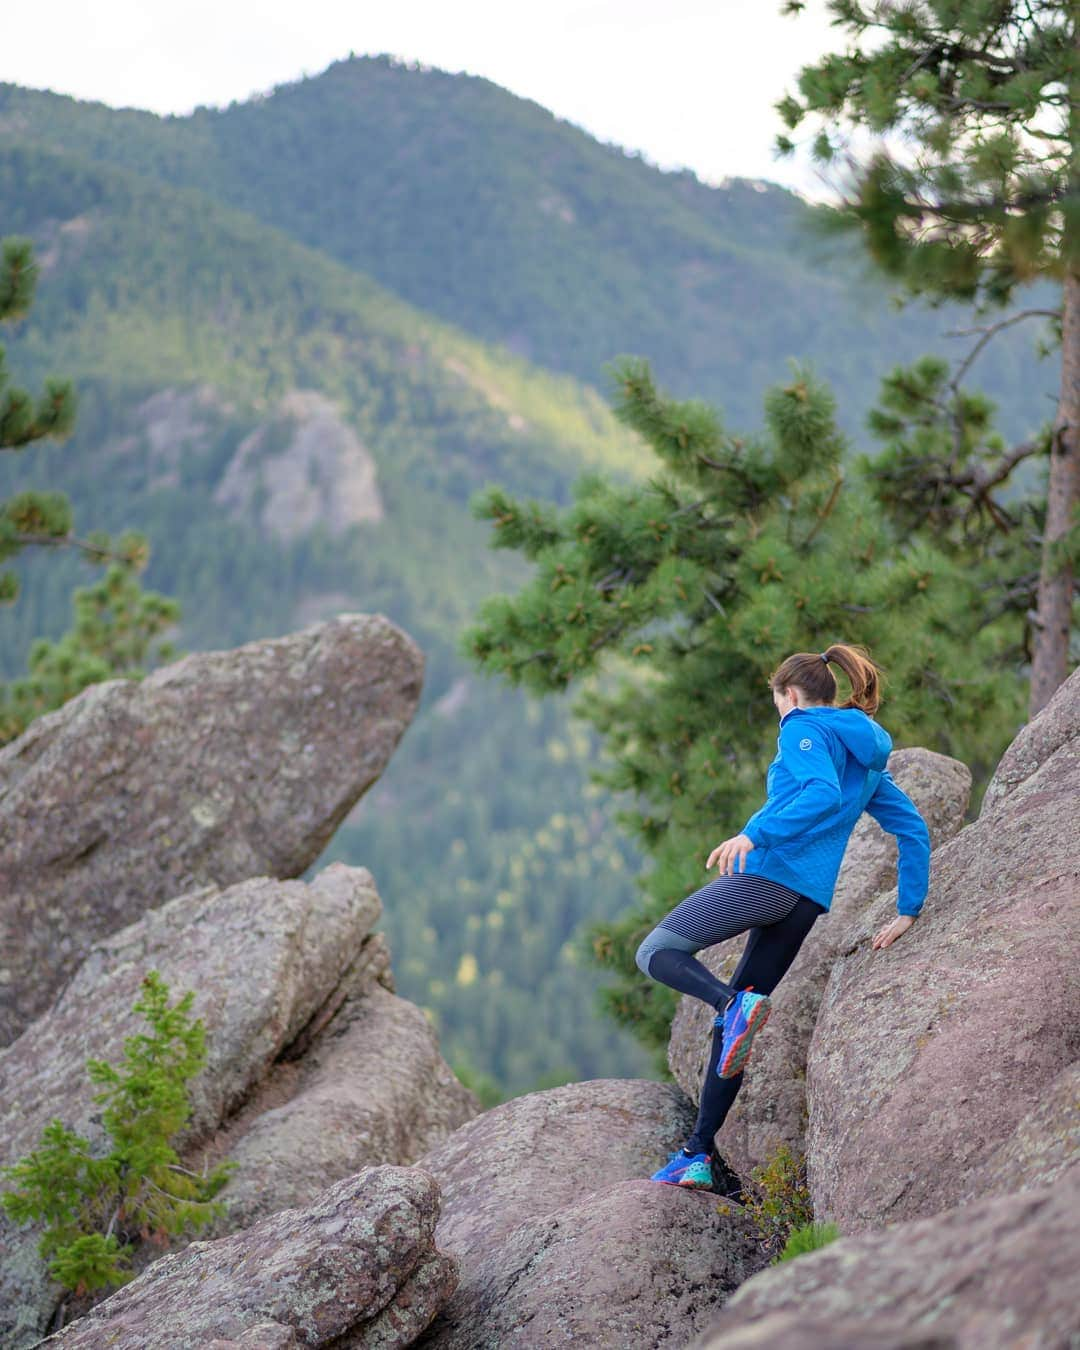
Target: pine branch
x,y
95,551
988,333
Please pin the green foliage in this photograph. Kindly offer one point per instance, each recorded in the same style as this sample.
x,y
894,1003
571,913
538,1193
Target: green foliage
x,y
481,835
116,624
487,867
509,223
115,621
668,604
23,420
985,196
810,1237
138,1189
482,1084
485,839
778,1200
945,475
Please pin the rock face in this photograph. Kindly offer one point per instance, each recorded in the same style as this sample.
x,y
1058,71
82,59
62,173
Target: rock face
x,y
222,766
1055,728
614,1129
995,1275
631,1266
287,979
357,1268
373,1087
771,1106
559,1238
930,1056
306,468
1044,1147
793,1331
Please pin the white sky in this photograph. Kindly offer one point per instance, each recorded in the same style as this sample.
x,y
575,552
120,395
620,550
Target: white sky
x,y
690,83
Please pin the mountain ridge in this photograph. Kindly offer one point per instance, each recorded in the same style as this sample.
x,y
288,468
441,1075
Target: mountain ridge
x,y
490,212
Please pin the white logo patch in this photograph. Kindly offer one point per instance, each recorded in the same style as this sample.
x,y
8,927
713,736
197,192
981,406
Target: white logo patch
x,y
805,743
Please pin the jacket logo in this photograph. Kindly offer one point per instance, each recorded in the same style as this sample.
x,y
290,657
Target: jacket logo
x,y
805,743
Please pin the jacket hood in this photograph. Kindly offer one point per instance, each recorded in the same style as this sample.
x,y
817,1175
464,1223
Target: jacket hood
x,y
860,735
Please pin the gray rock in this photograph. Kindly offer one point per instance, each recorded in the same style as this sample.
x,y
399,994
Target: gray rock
x,y
771,1106
559,1237
288,980
263,958
357,1268
222,766
317,473
372,1088
1044,1149
997,1275
793,1331
1052,730
542,1151
927,1056
634,1265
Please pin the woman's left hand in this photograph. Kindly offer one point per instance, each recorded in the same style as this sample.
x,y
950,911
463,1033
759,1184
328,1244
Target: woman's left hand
x,y
897,928
738,846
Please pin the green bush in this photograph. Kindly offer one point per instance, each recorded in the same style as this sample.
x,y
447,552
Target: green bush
x,y
809,1238
778,1200
95,1207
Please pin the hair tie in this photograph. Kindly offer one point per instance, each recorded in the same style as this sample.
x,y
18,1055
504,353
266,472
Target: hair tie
x,y
824,656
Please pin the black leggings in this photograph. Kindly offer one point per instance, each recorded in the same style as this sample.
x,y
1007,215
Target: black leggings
x,y
784,917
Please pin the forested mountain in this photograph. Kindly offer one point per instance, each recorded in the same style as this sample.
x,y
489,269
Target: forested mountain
x,y
487,210
245,300
236,390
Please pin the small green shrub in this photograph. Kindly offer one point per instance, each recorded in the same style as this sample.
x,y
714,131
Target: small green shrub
x,y
809,1238
95,1207
778,1200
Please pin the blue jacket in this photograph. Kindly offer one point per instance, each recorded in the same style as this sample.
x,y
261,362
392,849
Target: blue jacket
x,y
829,769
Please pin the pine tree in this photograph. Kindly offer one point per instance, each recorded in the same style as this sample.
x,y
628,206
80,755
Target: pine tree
x,y
95,1205
670,602
984,97
116,622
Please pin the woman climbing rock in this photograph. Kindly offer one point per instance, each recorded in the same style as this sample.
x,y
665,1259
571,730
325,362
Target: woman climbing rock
x,y
778,875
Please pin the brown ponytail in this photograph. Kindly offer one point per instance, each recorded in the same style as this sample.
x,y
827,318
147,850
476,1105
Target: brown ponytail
x,y
809,671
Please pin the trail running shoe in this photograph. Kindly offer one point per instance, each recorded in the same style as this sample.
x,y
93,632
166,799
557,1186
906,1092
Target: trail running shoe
x,y
741,1020
695,1172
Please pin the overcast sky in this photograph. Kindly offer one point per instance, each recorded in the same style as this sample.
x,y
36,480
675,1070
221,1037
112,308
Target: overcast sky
x,y
690,83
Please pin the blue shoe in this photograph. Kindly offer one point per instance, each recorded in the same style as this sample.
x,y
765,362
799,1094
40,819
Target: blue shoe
x,y
695,1172
741,1020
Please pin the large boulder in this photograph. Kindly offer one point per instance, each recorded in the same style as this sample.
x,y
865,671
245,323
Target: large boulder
x,y
372,1088
540,1152
547,1210
1056,727
222,766
793,1331
282,973
1044,1147
928,1056
771,1106
629,1267
359,1267
996,1275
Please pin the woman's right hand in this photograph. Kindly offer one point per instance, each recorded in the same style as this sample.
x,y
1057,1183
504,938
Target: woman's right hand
x,y
738,846
891,931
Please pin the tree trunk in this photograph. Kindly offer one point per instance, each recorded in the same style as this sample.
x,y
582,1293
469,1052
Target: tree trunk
x,y
1050,663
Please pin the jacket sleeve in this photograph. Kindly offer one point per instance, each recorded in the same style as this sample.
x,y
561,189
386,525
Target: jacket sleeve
x,y
894,811
804,754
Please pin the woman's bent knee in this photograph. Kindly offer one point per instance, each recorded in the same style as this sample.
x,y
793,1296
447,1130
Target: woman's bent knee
x,y
655,941
652,943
